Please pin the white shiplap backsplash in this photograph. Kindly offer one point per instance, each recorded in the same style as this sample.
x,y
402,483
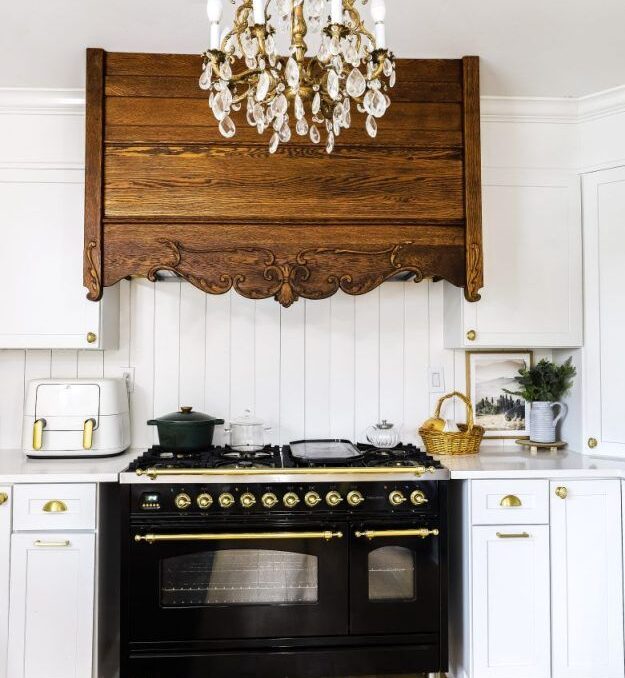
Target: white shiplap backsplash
x,y
320,368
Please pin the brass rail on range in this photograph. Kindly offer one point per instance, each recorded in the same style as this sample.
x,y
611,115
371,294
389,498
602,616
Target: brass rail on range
x,y
418,471
239,536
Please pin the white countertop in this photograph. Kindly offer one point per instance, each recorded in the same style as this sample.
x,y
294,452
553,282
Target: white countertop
x,y
500,464
15,467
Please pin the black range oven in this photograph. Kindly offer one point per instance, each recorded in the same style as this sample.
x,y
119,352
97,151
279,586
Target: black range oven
x,y
277,580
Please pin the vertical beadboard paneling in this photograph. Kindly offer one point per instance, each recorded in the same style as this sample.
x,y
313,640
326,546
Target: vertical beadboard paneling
x,y
267,365
342,368
217,381
166,348
142,358
292,372
64,364
392,352
317,369
242,355
416,359
192,347
367,362
439,355
115,359
11,398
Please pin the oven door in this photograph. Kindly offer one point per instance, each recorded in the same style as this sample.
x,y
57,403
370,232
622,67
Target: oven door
x,y
238,583
395,579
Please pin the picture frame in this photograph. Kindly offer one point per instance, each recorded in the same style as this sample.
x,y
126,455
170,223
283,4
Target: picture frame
x,y
488,374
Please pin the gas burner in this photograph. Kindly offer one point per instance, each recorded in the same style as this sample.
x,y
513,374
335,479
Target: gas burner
x,y
246,456
242,464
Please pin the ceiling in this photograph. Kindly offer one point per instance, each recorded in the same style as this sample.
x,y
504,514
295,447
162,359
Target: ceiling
x,y
536,48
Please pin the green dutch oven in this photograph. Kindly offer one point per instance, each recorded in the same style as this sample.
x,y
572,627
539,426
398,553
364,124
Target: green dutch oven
x,y
185,430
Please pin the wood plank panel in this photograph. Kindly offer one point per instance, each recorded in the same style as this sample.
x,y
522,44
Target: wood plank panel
x,y
166,348
392,353
342,366
318,366
367,362
192,375
292,373
242,356
267,365
217,385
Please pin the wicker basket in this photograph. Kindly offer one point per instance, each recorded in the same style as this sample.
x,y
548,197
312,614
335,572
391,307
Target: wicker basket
x,y
466,441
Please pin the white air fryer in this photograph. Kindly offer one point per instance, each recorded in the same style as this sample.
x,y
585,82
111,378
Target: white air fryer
x,y
76,418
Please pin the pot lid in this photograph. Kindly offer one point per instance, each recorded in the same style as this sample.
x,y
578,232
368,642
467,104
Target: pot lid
x,y
186,415
248,419
384,425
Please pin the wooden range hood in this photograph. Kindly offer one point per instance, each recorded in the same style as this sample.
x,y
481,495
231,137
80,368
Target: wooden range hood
x,y
164,190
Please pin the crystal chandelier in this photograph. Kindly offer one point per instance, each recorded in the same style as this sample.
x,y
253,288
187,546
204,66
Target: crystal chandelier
x,y
310,95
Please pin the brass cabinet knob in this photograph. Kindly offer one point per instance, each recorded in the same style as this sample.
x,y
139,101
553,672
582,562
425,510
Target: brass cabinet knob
x,y
4,497
290,500
354,498
226,500
312,499
204,501
471,335
182,501
396,498
418,497
269,500
91,337
592,443
333,498
562,492
247,500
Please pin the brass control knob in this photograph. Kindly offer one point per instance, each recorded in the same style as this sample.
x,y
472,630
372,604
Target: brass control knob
x,y
247,500
396,498
290,500
226,500
355,498
418,497
312,499
204,501
333,498
269,500
182,501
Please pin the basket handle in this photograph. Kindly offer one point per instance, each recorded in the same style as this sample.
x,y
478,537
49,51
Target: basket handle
x,y
465,400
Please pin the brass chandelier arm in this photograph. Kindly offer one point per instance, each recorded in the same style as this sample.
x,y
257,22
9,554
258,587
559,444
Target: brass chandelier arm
x,y
240,22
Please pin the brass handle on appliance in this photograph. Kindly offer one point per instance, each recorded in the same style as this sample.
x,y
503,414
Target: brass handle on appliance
x,y
418,498
355,498
562,492
40,542
510,501
519,535
38,427
239,536
418,471
4,497
374,534
471,335
87,434
55,506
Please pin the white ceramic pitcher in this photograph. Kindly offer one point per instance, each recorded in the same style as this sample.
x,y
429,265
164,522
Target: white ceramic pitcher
x,y
543,421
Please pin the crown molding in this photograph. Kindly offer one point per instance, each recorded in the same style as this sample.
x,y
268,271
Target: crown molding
x,y
602,104
38,101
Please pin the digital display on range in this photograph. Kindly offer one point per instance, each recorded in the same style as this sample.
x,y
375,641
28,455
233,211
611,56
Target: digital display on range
x,y
150,501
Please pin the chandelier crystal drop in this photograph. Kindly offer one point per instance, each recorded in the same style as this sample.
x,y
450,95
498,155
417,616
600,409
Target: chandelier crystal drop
x,y
290,96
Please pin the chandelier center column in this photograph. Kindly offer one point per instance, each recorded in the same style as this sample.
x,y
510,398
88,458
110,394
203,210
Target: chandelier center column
x,y
298,32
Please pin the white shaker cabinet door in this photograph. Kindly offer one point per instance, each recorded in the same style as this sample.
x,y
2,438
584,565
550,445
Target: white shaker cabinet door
x,y
51,605
5,544
604,358
511,633
532,240
587,579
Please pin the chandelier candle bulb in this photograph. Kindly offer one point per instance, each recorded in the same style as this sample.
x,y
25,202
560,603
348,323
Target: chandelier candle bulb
x,y
213,11
378,13
337,11
259,12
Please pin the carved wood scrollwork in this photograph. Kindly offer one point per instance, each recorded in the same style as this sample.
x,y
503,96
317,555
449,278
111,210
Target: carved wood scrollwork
x,y
92,277
313,273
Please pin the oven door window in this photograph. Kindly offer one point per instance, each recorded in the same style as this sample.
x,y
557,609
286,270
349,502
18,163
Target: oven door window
x,y
239,577
391,573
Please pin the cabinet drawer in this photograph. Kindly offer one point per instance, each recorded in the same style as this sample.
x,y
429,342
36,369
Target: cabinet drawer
x,y
510,502
54,507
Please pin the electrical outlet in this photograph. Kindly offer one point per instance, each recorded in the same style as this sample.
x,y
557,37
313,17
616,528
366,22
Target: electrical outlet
x,y
436,376
128,375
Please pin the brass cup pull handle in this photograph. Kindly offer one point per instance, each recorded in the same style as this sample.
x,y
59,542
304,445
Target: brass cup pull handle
x,y
377,534
38,427
87,434
58,544
562,492
513,535
238,536
510,501
55,506
4,497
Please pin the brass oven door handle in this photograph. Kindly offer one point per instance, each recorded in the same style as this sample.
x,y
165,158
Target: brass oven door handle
x,y
38,427
87,434
513,535
377,534
238,536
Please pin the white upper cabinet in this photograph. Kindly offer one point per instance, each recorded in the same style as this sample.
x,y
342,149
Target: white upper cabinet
x,y
5,542
586,579
532,292
604,358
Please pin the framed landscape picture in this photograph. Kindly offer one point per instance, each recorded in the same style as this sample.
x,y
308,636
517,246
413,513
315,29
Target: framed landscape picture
x,y
489,373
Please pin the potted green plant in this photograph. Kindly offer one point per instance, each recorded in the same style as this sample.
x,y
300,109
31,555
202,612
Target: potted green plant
x,y
543,386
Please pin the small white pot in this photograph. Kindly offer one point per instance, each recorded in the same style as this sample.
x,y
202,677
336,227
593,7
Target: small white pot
x,y
543,422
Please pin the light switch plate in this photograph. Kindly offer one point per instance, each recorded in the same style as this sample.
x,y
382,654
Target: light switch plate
x,y
436,376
